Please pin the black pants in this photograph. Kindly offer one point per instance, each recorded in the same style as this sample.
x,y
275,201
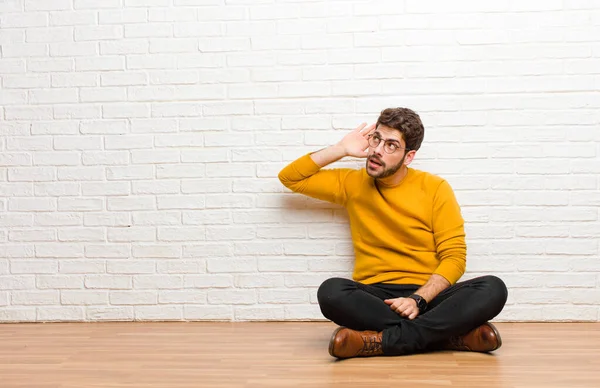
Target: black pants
x,y
455,311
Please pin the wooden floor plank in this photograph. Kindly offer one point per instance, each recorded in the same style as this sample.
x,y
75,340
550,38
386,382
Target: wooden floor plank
x,y
280,354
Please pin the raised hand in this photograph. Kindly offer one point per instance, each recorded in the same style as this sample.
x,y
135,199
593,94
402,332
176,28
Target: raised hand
x,y
356,142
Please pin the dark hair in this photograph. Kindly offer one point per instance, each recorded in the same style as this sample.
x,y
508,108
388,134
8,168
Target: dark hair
x,y
407,122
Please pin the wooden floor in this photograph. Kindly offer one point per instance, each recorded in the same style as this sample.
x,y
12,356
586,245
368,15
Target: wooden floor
x,y
277,354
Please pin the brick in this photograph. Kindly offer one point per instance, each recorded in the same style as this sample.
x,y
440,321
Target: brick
x,y
105,188
17,314
110,313
183,296
208,281
155,61
81,234
24,20
24,50
86,266
128,142
41,5
159,313
37,143
15,159
259,313
165,217
17,282
181,202
157,251
59,282
97,33
103,63
58,250
133,297
229,201
131,267
129,173
108,251
50,65
106,219
116,282
84,298
29,298
28,113
206,217
132,234
103,94
219,233
107,158
124,47
81,173
33,266
72,18
191,186
179,140
179,171
60,314
172,14
58,219
56,158
125,110
186,233
182,266
31,234
52,34
148,30
78,142
16,189
162,186
154,282
130,203
74,80
78,49
79,204
237,297
212,313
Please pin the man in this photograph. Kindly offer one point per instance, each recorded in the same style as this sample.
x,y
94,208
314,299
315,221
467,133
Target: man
x,y
409,242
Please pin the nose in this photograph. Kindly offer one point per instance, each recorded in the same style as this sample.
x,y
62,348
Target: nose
x,y
378,150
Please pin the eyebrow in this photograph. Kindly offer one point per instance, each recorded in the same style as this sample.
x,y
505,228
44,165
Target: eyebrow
x,y
393,140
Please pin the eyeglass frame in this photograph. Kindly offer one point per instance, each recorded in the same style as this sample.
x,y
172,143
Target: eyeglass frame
x,y
385,141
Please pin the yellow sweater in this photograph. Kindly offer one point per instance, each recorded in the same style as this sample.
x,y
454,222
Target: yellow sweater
x,y
401,234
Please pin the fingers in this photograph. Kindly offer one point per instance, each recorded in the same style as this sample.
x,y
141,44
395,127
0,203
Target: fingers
x,y
403,308
360,127
370,129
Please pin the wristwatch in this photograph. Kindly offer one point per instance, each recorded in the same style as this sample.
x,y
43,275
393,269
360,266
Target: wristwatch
x,y
421,302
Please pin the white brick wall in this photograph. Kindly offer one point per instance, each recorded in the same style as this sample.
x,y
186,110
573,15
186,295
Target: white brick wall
x,y
140,143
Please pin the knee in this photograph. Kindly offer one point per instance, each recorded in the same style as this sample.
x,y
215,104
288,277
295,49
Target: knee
x,y
331,290
497,289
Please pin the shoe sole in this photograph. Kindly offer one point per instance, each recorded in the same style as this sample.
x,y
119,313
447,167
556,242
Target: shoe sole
x,y
332,342
497,334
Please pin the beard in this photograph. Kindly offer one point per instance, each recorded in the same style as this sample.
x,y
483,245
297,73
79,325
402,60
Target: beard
x,y
382,171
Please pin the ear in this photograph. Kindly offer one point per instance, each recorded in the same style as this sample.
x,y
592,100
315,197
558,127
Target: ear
x,y
410,155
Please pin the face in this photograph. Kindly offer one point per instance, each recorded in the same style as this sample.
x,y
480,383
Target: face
x,y
381,164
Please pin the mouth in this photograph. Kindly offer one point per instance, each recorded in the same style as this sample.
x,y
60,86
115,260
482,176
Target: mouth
x,y
374,163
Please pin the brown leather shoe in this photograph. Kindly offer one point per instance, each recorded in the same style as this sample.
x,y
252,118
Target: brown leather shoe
x,y
484,338
346,343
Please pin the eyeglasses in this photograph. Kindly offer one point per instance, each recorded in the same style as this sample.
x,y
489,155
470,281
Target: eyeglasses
x,y
389,146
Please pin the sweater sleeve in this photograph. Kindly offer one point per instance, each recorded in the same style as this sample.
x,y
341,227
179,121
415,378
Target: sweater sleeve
x,y
306,177
449,234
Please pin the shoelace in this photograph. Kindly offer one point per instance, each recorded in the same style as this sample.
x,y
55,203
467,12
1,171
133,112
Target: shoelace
x,y
457,342
371,345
